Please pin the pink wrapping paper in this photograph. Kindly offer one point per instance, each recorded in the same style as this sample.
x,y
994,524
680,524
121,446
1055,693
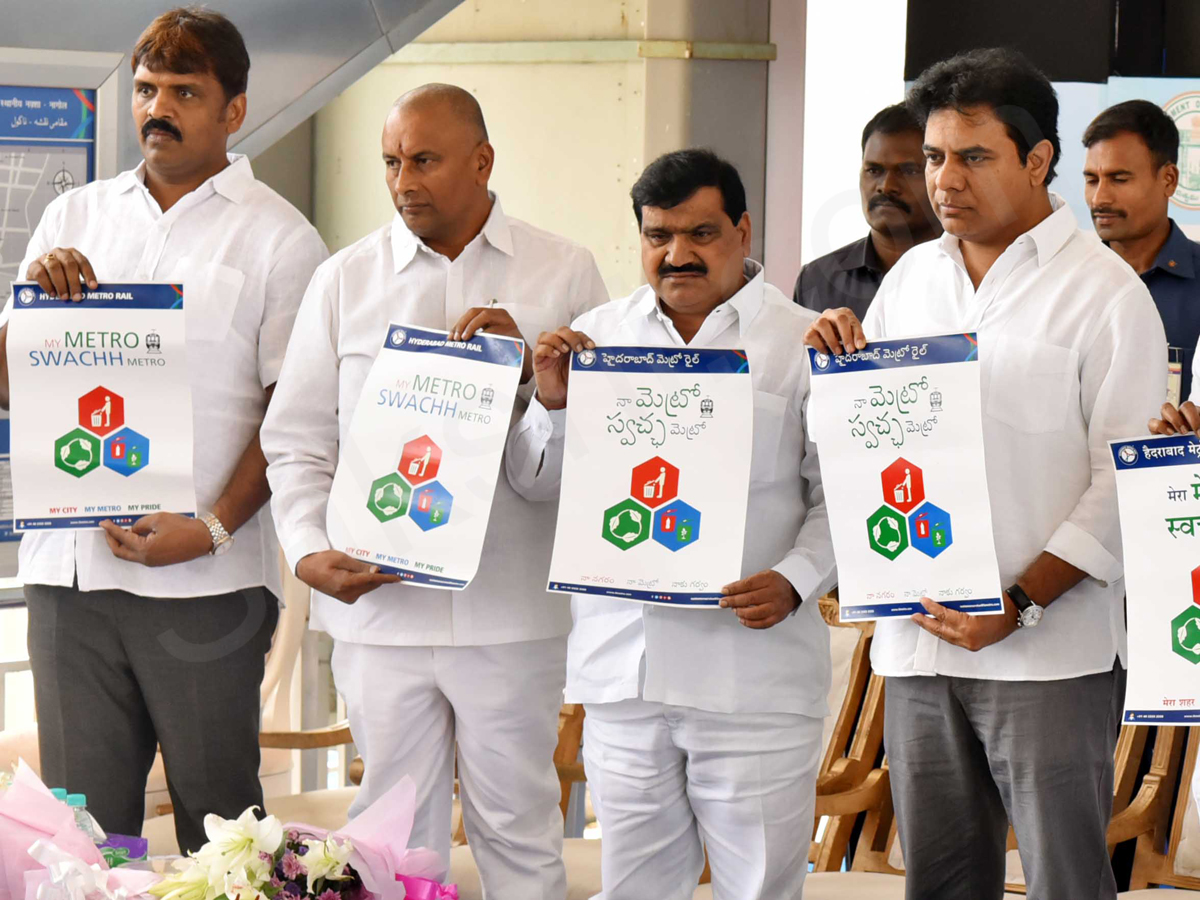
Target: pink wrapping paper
x,y
379,837
426,889
29,813
63,869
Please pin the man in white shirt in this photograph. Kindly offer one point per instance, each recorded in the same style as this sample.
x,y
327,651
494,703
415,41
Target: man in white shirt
x,y
1014,717
424,669
703,729
156,635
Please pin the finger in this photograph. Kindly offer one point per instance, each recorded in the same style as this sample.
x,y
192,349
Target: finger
x,y
860,338
750,583
829,334
476,323
71,271
58,277
124,536
575,340
463,320
143,526
37,272
760,611
768,621
367,580
814,339
1158,426
1191,415
120,551
1173,417
85,269
846,322
747,599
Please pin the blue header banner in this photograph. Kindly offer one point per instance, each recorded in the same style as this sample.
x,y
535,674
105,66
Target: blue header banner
x,y
661,360
488,348
1151,452
902,354
59,114
107,296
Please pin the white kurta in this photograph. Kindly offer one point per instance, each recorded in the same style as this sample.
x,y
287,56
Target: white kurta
x,y
1070,345
390,276
244,256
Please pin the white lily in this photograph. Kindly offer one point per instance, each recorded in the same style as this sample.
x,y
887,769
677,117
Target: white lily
x,y
190,881
237,844
243,885
327,859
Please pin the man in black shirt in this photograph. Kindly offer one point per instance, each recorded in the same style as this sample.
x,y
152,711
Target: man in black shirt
x,y
896,206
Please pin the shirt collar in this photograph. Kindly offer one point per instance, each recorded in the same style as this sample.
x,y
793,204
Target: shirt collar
x,y
1047,237
1176,255
746,302
232,182
496,231
861,255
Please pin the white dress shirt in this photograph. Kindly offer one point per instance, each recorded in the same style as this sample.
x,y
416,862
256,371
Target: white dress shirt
x,y
706,659
244,256
1069,344
544,281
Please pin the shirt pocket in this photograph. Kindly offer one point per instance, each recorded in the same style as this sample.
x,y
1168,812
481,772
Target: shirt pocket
x,y
769,412
1031,384
532,319
211,292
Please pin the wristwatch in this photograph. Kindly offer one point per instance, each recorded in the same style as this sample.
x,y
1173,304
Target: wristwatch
x,y
1028,612
222,540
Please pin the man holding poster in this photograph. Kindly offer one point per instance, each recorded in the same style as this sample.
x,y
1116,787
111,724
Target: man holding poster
x,y
1014,717
385,438
703,725
145,637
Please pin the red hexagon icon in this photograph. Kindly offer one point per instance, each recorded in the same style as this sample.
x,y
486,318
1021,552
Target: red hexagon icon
x,y
101,411
420,460
654,482
903,486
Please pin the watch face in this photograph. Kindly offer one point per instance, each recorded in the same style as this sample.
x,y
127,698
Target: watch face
x,y
224,547
1031,615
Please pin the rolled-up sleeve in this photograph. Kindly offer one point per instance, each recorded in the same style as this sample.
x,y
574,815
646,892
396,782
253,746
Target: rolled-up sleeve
x,y
300,432
1123,380
534,456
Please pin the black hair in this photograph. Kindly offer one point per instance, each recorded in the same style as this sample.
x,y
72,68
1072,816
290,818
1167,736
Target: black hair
x,y
1143,118
194,39
1017,92
894,119
674,177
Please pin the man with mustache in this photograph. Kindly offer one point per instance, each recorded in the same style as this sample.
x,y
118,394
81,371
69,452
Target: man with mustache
x,y
1014,717
156,635
896,207
430,675
1130,174
703,728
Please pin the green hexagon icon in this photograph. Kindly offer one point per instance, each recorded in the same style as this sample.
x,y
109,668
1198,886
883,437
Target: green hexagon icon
x,y
887,532
1185,634
77,452
626,525
389,497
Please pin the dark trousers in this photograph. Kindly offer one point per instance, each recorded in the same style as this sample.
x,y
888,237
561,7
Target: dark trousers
x,y
117,675
968,756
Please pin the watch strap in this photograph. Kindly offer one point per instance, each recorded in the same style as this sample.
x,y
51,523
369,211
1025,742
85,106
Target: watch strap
x,y
217,531
1019,598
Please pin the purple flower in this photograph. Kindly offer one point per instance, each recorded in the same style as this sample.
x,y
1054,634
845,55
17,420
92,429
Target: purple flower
x,y
291,865
275,882
293,835
328,894
287,895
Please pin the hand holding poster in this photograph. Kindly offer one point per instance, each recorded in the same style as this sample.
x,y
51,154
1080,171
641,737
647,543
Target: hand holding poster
x,y
1158,495
899,431
655,475
414,483
101,406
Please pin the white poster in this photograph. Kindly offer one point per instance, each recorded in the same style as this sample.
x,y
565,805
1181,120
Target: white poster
x,y
415,478
1158,494
101,406
655,476
900,438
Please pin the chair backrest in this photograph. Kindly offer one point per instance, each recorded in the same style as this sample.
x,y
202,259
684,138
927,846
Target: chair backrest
x,y
284,654
1170,857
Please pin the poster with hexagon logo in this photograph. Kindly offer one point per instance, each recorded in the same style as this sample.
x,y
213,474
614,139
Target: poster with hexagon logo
x,y
101,406
656,472
416,474
899,432
1158,497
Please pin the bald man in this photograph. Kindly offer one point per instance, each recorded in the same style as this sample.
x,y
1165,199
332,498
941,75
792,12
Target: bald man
x,y
423,670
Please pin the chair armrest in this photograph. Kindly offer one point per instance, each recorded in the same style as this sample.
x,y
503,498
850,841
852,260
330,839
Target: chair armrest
x,y
312,739
870,795
1140,816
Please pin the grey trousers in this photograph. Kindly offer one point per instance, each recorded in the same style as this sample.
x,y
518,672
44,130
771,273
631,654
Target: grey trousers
x,y
115,675
968,756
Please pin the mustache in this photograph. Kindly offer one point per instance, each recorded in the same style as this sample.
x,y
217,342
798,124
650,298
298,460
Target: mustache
x,y
161,125
1108,211
884,200
665,271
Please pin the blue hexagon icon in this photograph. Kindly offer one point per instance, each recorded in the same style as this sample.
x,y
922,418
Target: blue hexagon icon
x,y
127,452
676,525
430,506
929,530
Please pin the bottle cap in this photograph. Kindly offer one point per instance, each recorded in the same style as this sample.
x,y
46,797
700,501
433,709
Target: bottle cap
x,y
59,794
76,799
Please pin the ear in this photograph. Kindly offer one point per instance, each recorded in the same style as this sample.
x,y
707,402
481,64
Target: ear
x,y
1038,162
745,231
485,157
1170,179
235,114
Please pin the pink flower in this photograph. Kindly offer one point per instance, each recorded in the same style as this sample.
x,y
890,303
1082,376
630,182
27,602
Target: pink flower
x,y
292,866
328,894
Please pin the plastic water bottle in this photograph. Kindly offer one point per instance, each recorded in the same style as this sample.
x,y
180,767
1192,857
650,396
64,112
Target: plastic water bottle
x,y
83,819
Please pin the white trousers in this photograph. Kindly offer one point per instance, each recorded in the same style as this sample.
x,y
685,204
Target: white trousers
x,y
669,781
409,706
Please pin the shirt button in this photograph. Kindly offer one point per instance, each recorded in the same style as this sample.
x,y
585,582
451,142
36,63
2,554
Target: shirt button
x,y
1171,263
